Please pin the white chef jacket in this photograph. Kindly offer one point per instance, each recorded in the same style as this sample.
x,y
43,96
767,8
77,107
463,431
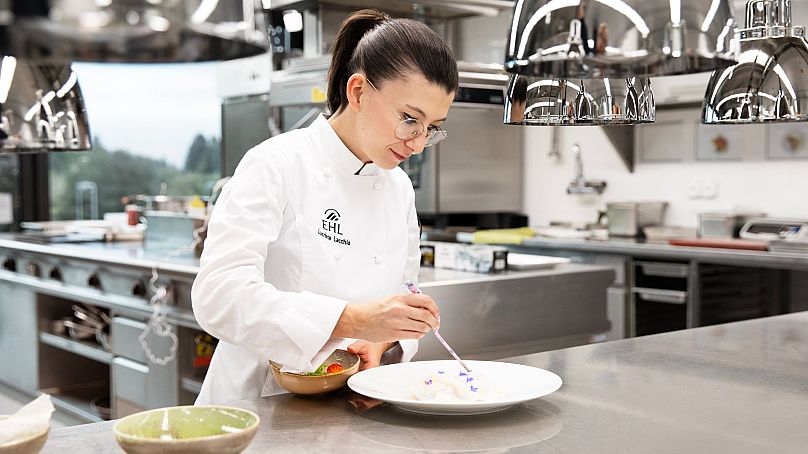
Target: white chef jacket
x,y
295,235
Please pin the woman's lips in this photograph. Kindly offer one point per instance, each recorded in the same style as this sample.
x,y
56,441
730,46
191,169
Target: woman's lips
x,y
398,156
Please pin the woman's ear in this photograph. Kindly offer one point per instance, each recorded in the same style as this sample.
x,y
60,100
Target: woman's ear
x,y
355,88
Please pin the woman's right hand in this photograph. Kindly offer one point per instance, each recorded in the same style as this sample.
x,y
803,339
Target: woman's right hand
x,y
397,317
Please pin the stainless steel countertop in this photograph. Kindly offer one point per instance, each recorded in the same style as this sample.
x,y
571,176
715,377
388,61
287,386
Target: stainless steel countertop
x,y
658,249
131,253
142,255
740,388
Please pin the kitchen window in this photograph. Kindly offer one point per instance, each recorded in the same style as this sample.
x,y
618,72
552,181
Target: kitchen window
x,y
156,130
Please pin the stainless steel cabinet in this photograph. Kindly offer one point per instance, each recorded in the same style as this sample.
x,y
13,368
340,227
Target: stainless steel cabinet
x,y
787,141
18,337
138,384
730,143
616,312
670,139
616,295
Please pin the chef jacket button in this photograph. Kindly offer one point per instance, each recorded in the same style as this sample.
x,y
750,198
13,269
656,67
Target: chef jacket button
x,y
327,172
378,260
378,185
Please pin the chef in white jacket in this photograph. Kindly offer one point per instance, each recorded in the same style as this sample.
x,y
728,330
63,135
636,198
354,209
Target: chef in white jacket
x,y
312,238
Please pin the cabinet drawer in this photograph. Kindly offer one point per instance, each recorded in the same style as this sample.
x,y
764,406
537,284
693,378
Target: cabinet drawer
x,y
661,296
131,381
125,332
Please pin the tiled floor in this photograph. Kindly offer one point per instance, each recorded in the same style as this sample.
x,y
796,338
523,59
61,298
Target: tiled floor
x,y
12,400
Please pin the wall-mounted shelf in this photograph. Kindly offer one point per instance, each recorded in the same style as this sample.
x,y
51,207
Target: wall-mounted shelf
x,y
622,137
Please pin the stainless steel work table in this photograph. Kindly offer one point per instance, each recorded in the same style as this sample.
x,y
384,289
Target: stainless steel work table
x,y
662,250
740,388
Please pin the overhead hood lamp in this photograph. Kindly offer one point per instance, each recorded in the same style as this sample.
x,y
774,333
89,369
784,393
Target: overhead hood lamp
x,y
581,102
41,108
618,38
770,81
587,62
132,31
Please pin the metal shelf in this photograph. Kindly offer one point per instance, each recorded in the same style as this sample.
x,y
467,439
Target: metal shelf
x,y
86,349
75,399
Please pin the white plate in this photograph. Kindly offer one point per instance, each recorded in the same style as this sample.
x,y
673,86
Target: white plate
x,y
533,262
516,383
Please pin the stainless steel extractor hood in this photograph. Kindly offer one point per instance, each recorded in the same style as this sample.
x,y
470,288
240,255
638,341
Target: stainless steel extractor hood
x,y
770,81
41,107
137,31
587,62
582,102
618,38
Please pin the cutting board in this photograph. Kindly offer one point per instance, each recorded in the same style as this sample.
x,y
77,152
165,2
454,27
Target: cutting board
x,y
729,243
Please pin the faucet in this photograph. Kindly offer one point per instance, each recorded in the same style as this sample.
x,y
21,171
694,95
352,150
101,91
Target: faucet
x,y
579,184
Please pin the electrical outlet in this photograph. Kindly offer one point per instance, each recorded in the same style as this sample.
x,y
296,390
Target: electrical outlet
x,y
694,190
709,190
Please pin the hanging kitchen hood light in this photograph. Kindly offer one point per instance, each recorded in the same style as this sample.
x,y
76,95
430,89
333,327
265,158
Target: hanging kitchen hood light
x,y
770,80
618,38
41,108
585,102
132,31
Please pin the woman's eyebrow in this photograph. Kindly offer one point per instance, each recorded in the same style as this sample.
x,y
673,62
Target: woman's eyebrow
x,y
421,112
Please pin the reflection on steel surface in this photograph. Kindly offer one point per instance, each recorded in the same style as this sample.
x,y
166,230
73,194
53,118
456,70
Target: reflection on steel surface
x,y
549,101
132,30
770,80
41,107
611,38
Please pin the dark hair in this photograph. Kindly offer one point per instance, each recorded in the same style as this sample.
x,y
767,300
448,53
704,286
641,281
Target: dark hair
x,y
383,49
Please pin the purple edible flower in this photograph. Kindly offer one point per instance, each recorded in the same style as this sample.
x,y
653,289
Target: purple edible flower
x,y
473,389
468,379
440,371
428,382
462,373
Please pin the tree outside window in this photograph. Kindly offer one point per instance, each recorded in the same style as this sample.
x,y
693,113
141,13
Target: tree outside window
x,y
155,128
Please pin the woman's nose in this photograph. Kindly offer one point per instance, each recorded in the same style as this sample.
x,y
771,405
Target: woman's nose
x,y
416,144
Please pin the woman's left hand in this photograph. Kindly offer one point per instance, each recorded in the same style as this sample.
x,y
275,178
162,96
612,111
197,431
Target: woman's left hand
x,y
369,353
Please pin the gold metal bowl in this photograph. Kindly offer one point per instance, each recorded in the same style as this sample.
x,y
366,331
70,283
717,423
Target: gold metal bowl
x,y
318,384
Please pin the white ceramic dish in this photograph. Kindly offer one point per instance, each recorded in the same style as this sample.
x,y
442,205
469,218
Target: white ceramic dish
x,y
534,262
516,383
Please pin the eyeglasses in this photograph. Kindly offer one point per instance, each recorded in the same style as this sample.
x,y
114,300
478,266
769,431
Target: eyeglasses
x,y
410,128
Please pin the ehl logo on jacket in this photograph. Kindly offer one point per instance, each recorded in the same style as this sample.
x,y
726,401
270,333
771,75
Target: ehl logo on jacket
x,y
331,227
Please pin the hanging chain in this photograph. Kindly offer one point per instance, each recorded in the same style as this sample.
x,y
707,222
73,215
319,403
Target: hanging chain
x,y
157,321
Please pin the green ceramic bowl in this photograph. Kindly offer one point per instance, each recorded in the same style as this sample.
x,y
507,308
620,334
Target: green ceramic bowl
x,y
29,445
191,429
